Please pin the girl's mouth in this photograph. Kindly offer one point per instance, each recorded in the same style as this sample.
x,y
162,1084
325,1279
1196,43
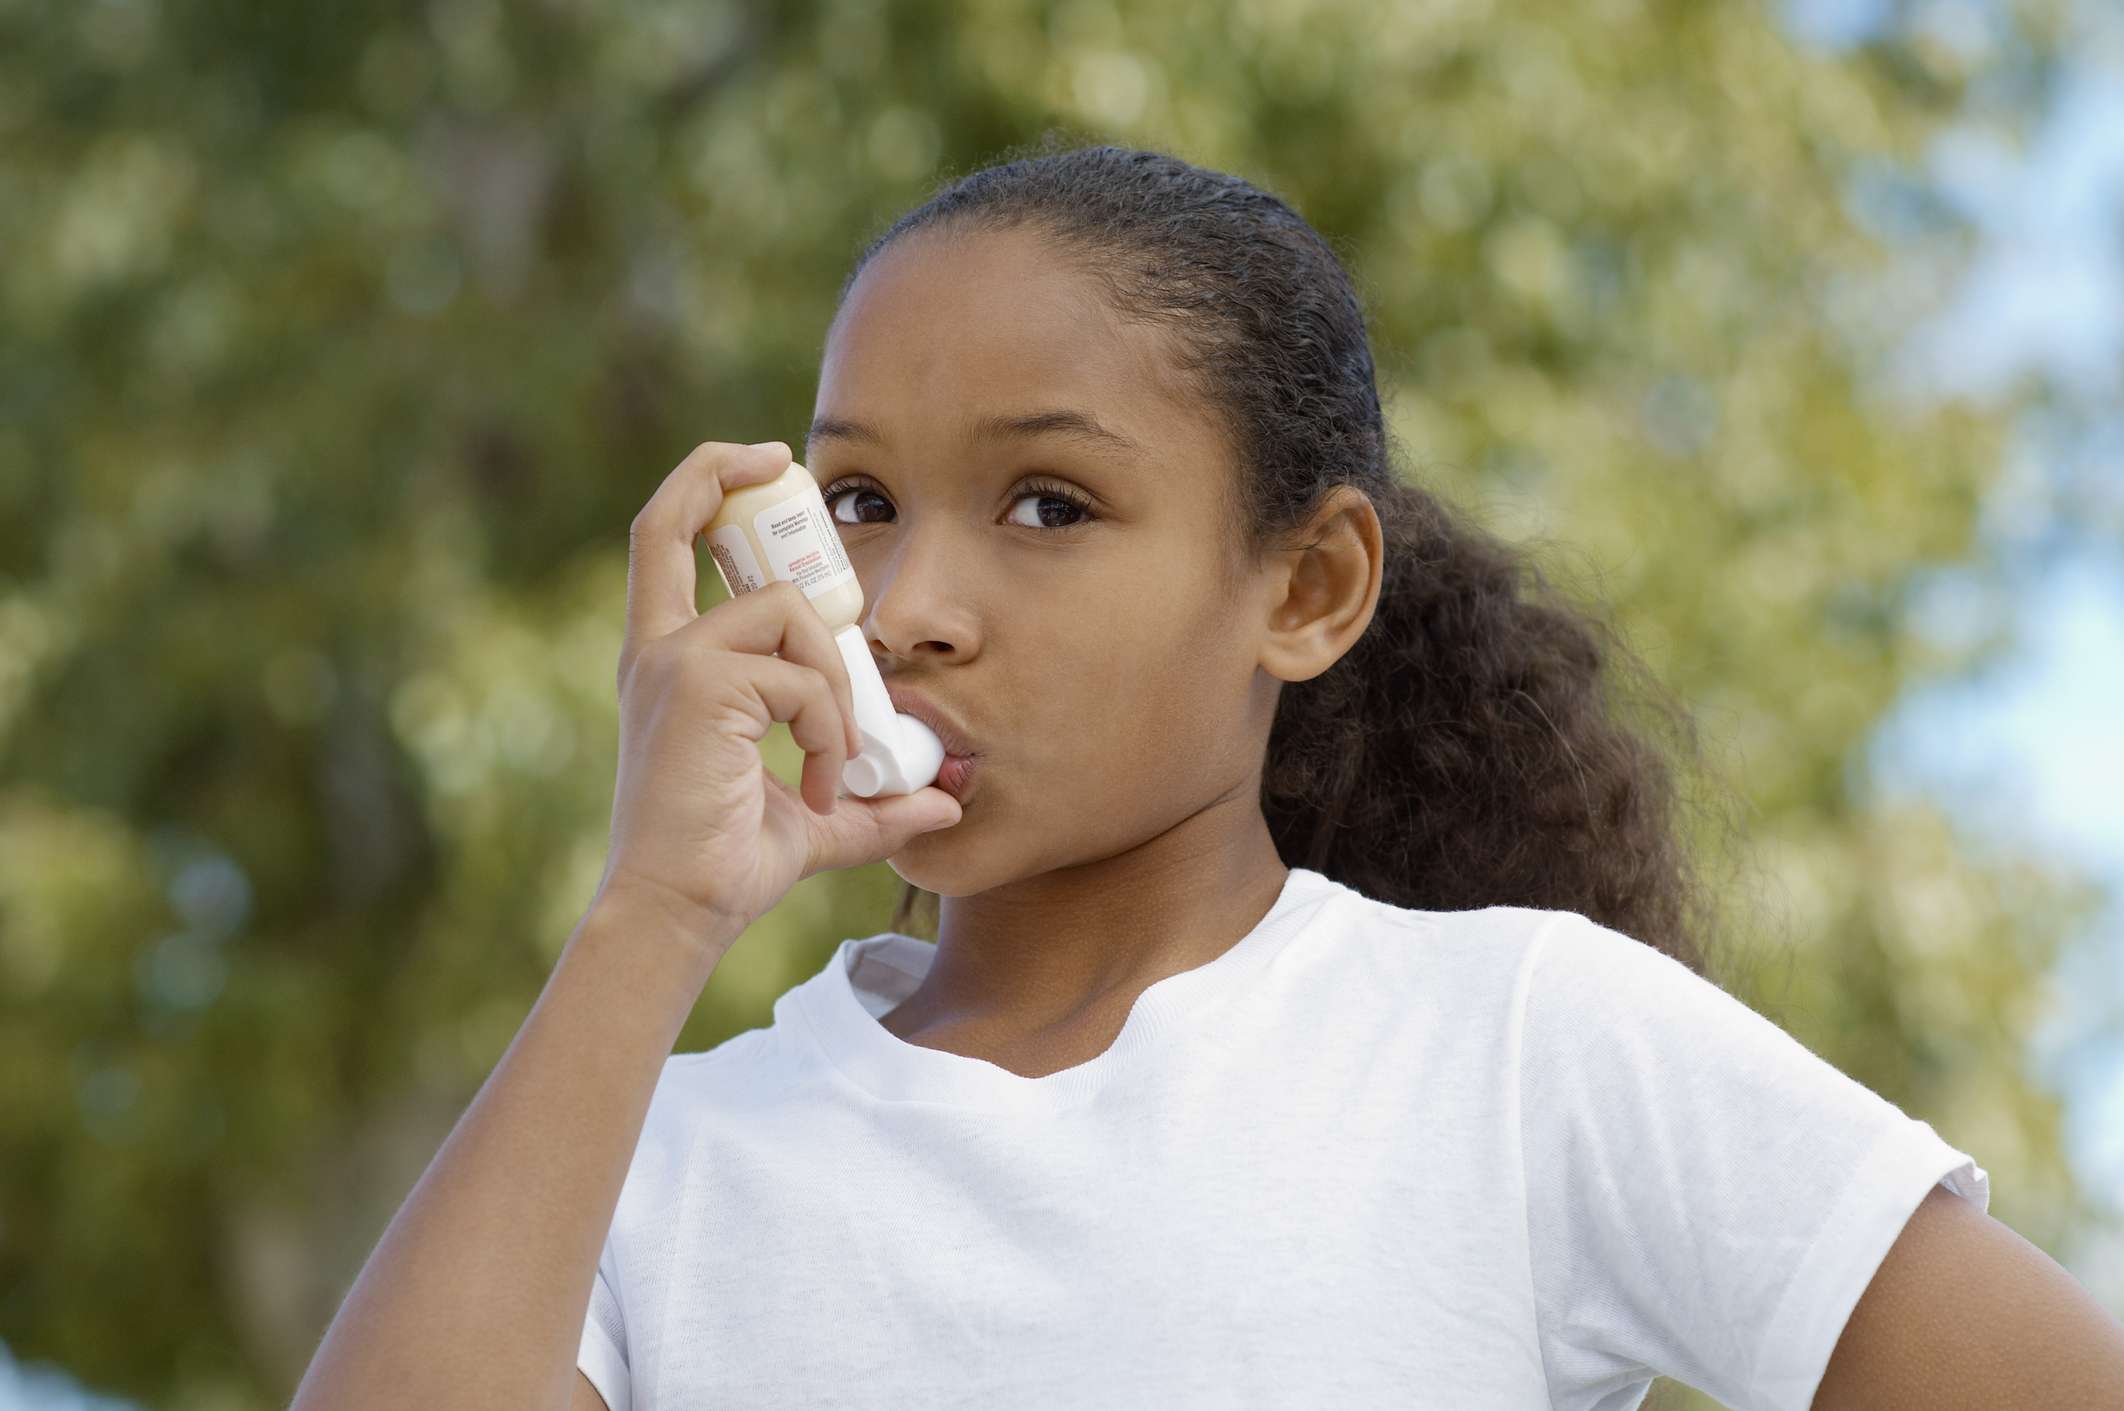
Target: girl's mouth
x,y
956,777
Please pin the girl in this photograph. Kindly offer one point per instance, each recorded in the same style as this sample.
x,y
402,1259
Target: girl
x,y
1313,1016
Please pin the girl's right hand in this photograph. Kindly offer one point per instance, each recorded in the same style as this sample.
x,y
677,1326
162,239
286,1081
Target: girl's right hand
x,y
698,823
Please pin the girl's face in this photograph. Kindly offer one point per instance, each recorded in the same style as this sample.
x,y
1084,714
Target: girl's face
x,y
1104,666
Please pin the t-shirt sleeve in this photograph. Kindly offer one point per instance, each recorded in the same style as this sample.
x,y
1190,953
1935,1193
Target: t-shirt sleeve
x,y
603,1352
1706,1198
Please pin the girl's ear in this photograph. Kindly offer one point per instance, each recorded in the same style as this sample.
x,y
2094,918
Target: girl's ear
x,y
1323,593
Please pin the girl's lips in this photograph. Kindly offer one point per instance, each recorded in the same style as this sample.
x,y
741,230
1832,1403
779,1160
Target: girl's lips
x,y
956,777
908,701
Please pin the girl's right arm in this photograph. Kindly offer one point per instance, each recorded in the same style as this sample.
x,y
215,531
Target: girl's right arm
x,y
476,1294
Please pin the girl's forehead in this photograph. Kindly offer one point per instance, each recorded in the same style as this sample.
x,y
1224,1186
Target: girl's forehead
x,y
1007,288
954,336
996,344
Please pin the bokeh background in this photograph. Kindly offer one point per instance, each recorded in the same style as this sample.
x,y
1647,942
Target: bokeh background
x,y
340,342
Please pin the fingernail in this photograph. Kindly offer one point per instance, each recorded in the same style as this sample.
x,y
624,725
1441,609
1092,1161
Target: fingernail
x,y
767,445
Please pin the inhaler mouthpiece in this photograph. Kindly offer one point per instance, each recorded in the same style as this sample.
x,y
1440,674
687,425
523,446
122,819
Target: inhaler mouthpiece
x,y
900,754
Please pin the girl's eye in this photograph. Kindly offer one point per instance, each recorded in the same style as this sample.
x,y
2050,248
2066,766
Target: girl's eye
x,y
831,492
1075,509
1073,501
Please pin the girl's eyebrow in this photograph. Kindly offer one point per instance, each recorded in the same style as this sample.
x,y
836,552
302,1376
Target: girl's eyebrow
x,y
1066,423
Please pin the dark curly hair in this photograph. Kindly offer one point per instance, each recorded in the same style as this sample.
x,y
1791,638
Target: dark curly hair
x,y
1464,752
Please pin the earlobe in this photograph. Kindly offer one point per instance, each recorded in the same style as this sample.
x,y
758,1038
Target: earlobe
x,y
1330,587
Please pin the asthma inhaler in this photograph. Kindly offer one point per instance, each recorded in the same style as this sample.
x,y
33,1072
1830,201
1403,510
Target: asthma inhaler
x,y
780,529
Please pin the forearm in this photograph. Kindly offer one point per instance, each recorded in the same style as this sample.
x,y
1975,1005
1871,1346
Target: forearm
x,y
475,1295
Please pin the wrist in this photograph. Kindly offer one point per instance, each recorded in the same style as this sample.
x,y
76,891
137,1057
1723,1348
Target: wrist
x,y
672,911
680,940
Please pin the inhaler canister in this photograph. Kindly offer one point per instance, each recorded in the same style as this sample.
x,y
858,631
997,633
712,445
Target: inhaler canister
x,y
780,530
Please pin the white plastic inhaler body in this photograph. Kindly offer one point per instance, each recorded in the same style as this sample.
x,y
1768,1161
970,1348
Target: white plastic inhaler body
x,y
779,529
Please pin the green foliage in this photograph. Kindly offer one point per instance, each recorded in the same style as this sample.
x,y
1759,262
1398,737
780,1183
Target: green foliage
x,y
341,344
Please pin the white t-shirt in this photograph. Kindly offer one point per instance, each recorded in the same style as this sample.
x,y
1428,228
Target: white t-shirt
x,y
1368,1156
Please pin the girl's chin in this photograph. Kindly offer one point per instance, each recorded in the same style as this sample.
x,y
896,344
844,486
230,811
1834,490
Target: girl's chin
x,y
927,861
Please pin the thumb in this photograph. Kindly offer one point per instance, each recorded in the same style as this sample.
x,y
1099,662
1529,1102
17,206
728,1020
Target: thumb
x,y
860,831
901,816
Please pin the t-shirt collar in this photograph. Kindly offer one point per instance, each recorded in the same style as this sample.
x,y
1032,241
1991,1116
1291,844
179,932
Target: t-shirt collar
x,y
868,976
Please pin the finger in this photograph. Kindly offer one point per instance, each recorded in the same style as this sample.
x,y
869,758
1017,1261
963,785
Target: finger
x,y
779,620
660,565
901,816
867,830
800,697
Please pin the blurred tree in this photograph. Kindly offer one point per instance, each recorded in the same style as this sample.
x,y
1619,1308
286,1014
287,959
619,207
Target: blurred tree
x,y
341,344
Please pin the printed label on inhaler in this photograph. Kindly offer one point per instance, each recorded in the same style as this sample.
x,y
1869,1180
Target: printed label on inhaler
x,y
802,545
741,571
